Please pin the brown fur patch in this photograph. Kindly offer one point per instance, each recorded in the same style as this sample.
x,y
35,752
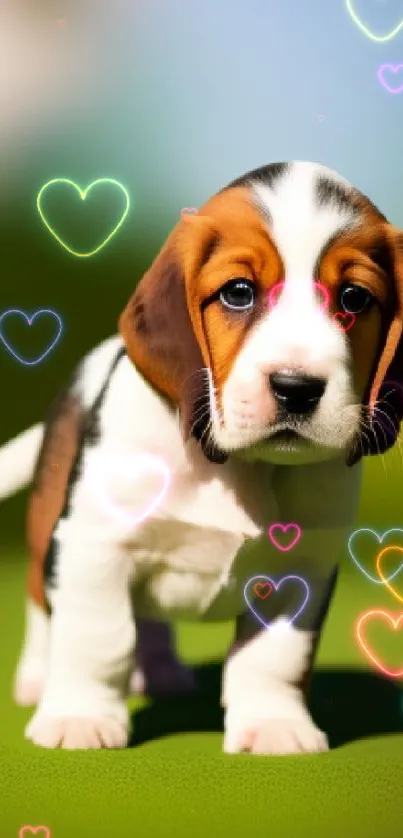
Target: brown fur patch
x,y
174,326
176,340
246,251
58,451
366,256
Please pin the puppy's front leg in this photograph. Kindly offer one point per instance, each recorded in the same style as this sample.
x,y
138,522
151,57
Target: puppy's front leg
x,y
264,687
92,638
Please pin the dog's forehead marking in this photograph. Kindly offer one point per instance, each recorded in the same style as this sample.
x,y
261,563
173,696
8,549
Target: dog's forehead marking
x,y
304,214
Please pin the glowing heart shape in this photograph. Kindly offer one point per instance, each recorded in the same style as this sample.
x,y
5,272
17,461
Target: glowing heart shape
x,y
125,469
361,623
378,567
268,581
275,292
380,539
344,319
83,195
262,589
186,211
30,321
34,830
379,38
390,68
284,528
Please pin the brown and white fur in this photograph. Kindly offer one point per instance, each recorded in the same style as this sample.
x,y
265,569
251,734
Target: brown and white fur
x,y
190,381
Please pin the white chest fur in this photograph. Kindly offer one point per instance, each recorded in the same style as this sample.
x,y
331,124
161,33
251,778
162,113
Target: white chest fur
x,y
208,534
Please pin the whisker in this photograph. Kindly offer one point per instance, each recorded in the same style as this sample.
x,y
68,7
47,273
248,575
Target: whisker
x,y
199,418
194,385
363,428
396,433
207,430
375,421
383,413
201,405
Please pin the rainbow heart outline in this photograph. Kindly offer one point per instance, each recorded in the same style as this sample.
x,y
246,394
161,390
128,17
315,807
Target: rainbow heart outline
x,y
380,540
83,194
380,39
276,587
30,321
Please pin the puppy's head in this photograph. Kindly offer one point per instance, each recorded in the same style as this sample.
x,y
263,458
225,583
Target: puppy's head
x,y
235,321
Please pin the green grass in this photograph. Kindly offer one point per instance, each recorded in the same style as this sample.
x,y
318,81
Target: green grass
x,y
174,780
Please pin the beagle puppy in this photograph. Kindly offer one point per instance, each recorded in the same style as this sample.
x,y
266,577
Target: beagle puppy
x,y
232,398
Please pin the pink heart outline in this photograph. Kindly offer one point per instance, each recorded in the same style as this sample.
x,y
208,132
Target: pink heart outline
x,y
318,285
292,619
394,68
284,528
185,211
142,463
33,830
30,320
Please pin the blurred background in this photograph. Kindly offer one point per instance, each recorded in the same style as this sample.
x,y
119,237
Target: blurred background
x,y
172,99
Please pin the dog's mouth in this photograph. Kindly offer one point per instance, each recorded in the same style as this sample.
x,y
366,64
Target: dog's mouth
x,y
285,435
287,438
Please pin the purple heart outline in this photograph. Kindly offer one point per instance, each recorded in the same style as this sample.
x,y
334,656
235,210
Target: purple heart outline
x,y
276,587
30,320
380,539
394,68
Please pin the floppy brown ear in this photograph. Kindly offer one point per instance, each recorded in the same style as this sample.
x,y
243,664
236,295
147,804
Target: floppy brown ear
x,y
384,397
163,330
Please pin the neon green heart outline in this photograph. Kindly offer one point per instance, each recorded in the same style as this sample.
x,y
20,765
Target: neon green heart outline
x,y
83,194
380,39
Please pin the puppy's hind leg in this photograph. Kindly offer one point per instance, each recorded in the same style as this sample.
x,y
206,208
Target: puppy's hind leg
x,y
31,670
158,671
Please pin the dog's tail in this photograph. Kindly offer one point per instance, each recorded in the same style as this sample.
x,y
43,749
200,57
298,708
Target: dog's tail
x,y
18,459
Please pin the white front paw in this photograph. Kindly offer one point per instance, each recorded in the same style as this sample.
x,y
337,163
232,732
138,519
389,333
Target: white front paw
x,y
80,731
273,736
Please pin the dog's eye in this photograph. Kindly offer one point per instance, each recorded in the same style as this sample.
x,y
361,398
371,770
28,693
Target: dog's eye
x,y
354,299
238,294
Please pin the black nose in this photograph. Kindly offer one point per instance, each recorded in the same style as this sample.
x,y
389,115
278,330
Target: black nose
x,y
297,393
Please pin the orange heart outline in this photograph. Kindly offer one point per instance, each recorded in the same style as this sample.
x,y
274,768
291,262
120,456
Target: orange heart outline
x,y
384,615
33,830
386,581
